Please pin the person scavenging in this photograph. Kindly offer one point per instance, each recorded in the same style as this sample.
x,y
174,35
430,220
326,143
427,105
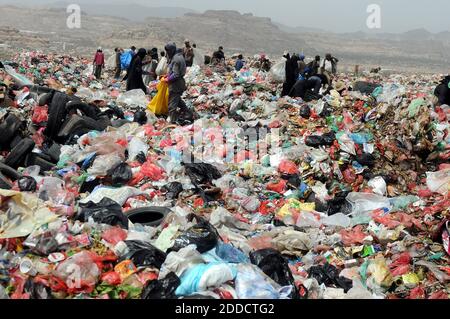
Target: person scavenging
x,y
239,63
134,75
218,56
291,73
99,63
178,111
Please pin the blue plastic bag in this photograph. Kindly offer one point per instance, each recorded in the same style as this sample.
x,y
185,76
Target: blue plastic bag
x,y
125,59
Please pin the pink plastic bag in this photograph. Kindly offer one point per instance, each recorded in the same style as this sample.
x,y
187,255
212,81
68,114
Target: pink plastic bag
x,y
152,171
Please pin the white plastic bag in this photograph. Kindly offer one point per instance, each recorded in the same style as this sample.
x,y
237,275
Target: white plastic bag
x,y
133,98
278,71
439,182
365,202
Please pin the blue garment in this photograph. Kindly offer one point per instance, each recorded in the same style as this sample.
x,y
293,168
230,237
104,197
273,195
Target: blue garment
x,y
239,64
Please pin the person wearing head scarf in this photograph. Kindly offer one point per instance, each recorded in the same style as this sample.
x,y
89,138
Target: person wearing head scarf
x,y
149,66
161,69
99,63
134,75
188,53
301,64
178,111
291,74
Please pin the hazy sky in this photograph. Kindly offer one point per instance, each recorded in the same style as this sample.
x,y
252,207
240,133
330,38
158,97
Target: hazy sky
x,y
336,15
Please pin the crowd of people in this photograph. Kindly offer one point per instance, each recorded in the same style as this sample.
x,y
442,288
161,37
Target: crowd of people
x,y
308,81
303,80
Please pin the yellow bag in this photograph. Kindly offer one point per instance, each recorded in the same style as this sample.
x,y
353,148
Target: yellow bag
x,y
160,103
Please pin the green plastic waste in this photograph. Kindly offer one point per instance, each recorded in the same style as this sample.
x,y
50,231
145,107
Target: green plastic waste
x,y
414,107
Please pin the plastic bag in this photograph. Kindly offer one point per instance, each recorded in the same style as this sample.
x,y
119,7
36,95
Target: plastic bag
x,y
278,71
143,254
79,272
274,265
152,171
27,184
414,107
339,220
3,294
203,276
178,261
202,173
252,283
114,235
288,167
136,147
106,211
103,163
133,98
305,111
120,194
125,59
378,185
230,254
23,213
329,276
366,202
160,102
120,174
439,182
203,235
161,289
173,190
220,216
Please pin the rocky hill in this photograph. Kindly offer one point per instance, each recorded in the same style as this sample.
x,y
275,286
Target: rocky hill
x,y
43,28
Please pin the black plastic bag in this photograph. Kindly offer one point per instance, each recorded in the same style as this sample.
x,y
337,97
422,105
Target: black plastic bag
x,y
173,190
106,211
120,174
329,276
143,254
329,138
366,159
202,173
314,140
161,289
305,111
203,235
274,265
27,184
141,158
335,205
292,179
140,117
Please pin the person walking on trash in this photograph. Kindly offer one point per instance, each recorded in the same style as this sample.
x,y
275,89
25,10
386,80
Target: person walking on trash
x,y
177,84
134,75
118,69
188,53
99,63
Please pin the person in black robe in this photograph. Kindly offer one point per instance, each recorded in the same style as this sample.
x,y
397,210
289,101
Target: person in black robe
x,y
291,74
134,74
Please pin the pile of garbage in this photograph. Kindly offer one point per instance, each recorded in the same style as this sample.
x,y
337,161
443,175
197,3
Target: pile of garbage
x,y
261,197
